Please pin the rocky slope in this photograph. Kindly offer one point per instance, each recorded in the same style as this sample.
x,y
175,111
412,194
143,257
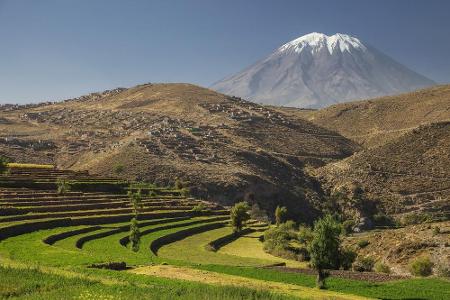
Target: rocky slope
x,y
227,148
407,174
375,122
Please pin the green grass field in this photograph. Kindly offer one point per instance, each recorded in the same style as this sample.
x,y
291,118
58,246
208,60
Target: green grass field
x,y
172,240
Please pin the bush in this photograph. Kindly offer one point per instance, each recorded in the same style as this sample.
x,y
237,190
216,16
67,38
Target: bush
x,y
178,184
185,192
443,271
363,243
305,235
416,218
277,241
363,264
259,214
63,186
118,169
199,207
347,257
3,164
382,268
436,230
383,220
348,226
421,266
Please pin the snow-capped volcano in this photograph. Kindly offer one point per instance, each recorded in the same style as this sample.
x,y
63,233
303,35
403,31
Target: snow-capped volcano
x,y
315,41
317,70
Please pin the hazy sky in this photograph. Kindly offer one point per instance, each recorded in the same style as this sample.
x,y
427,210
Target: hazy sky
x,y
51,50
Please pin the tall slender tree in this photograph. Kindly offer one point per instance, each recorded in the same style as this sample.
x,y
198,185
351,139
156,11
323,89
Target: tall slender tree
x,y
135,234
280,215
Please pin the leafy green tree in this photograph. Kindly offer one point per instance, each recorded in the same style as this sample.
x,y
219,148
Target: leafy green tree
x,y
239,215
324,248
3,164
135,235
280,214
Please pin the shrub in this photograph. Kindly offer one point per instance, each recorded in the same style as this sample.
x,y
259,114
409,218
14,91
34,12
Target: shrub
x,y
382,268
199,207
259,214
436,230
185,192
348,226
277,242
239,215
416,218
3,164
363,243
118,169
363,264
421,266
305,234
178,184
280,214
443,271
381,219
347,257
62,186
276,239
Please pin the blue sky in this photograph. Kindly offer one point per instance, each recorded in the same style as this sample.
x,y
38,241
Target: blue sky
x,y
51,50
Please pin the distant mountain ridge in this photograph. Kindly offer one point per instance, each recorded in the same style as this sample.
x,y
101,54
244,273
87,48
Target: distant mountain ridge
x,y
317,70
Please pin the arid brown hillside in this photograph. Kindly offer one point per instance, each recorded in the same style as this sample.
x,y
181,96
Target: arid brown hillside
x,y
409,173
376,121
229,149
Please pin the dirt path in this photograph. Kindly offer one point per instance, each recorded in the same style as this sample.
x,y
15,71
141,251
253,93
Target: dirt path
x,y
214,278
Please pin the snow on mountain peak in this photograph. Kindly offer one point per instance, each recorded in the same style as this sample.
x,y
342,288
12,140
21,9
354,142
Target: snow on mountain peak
x,y
316,41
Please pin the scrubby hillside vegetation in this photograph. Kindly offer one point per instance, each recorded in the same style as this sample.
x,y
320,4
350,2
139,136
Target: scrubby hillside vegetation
x,y
227,148
377,121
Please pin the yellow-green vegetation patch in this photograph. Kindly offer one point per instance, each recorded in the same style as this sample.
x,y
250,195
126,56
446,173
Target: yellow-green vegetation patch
x,y
193,249
249,245
219,279
30,166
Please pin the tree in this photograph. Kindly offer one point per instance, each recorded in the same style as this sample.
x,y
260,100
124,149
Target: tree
x,y
178,184
324,248
3,164
259,214
239,215
280,214
135,234
63,186
136,201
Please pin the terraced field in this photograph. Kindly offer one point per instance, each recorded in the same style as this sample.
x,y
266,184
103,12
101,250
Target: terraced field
x,y
50,244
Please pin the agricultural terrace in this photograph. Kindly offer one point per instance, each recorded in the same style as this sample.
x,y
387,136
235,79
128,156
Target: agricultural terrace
x,y
65,235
